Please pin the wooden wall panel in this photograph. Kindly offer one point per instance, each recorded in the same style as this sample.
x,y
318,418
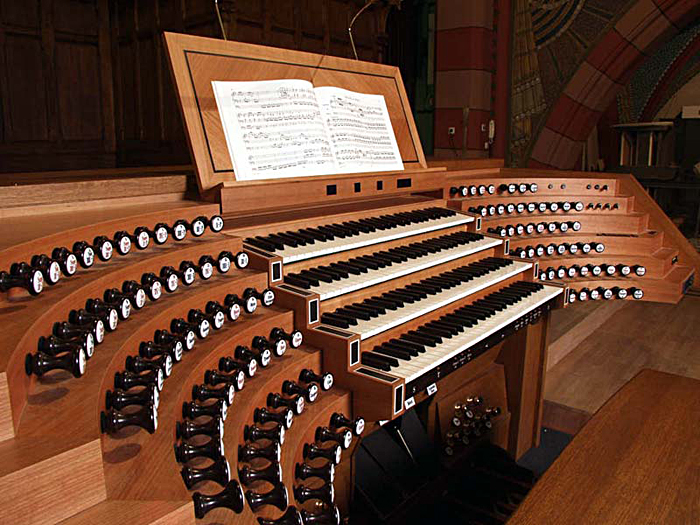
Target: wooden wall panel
x,y
55,85
77,73
86,84
27,119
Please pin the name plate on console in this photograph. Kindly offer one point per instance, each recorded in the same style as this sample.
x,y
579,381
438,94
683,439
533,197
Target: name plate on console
x,y
409,403
431,389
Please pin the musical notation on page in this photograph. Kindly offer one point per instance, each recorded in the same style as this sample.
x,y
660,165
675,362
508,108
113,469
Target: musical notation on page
x,y
360,130
288,128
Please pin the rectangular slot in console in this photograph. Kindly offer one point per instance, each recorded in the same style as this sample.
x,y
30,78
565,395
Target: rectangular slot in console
x,y
276,271
354,352
313,311
376,375
403,183
398,399
334,331
331,189
297,291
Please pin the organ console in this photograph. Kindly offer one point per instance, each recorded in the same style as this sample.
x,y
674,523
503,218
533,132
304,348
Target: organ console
x,y
381,292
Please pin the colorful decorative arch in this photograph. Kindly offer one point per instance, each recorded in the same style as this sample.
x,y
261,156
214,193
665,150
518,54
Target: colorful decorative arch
x,y
603,74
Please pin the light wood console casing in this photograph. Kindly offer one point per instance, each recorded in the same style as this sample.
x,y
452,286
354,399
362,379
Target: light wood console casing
x,y
196,62
635,232
49,427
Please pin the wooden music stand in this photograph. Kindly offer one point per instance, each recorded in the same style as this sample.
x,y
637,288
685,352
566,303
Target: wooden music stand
x,y
196,62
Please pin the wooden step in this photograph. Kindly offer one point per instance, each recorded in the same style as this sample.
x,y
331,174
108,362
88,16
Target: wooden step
x,y
135,512
625,203
643,243
656,268
666,255
632,223
22,193
37,315
668,289
25,236
44,479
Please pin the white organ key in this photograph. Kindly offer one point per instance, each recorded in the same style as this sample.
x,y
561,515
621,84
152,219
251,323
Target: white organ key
x,y
435,356
299,253
390,319
372,277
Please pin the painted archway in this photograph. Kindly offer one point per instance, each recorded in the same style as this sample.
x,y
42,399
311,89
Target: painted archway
x,y
601,76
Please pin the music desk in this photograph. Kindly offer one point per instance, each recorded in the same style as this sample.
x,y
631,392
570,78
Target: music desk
x,y
636,462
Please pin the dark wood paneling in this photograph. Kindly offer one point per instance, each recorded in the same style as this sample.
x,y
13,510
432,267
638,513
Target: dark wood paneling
x,y
55,85
88,79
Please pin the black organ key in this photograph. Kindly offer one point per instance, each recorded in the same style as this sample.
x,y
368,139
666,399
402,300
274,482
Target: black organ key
x,y
392,352
370,360
260,242
385,359
335,321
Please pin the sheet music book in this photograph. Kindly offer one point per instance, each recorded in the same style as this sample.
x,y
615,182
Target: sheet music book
x,y
288,128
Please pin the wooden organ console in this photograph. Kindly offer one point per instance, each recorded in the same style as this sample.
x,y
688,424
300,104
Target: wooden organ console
x,y
222,361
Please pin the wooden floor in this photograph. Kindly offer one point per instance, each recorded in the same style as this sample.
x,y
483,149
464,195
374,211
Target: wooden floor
x,y
639,335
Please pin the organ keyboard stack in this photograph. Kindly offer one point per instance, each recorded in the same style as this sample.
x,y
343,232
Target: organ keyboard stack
x,y
226,370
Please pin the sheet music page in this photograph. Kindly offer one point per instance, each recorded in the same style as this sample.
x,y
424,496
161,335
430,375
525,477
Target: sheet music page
x,y
360,131
274,129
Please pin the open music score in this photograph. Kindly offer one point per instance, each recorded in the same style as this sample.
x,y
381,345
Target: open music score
x,y
288,128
